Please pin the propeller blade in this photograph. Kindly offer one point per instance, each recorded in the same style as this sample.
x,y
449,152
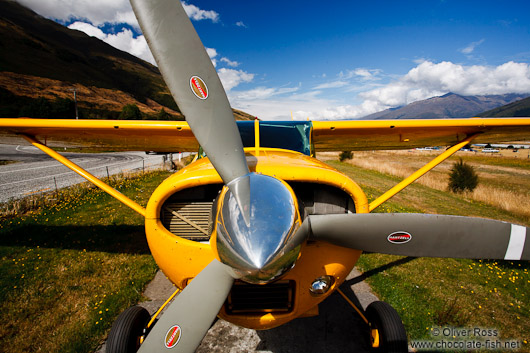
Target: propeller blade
x,y
422,235
193,81
185,322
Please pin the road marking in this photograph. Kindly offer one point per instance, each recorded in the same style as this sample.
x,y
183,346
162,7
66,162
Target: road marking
x,y
54,165
67,173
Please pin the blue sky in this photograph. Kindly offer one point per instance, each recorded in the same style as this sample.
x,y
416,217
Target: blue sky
x,y
337,60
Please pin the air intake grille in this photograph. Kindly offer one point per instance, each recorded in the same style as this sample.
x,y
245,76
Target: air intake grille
x,y
269,298
189,220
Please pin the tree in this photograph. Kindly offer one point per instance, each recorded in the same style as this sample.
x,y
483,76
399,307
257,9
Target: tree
x,y
463,177
345,155
37,108
163,115
130,112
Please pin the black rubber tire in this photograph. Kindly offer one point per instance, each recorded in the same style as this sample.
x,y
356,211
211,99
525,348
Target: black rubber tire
x,y
392,334
125,333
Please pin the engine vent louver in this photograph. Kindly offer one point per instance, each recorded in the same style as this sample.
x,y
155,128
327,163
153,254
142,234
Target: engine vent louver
x,y
189,220
248,298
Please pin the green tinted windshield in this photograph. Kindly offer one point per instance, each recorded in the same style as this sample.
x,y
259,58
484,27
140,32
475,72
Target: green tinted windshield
x,y
289,135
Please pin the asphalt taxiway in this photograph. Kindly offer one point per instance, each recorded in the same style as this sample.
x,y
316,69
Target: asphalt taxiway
x,y
36,172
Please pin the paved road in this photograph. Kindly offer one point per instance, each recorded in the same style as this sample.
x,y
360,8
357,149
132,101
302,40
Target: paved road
x,y
37,172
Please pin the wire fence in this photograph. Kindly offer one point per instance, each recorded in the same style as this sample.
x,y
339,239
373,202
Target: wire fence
x,y
23,180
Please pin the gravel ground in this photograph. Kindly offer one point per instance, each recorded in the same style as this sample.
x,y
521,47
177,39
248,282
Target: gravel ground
x,y
338,328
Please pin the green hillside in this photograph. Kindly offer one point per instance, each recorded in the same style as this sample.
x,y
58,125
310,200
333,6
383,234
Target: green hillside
x,y
43,62
33,45
520,108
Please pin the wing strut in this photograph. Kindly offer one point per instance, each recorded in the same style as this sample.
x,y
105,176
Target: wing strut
x,y
420,172
91,178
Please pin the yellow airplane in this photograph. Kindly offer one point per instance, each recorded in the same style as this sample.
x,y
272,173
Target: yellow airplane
x,y
259,232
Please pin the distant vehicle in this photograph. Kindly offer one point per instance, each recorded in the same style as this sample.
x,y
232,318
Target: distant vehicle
x,y
156,152
490,150
467,149
428,149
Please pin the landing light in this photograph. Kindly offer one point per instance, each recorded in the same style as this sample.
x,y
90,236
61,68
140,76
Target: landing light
x,y
321,285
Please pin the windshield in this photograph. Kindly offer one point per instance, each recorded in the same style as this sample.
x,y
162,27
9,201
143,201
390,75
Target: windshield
x,y
289,135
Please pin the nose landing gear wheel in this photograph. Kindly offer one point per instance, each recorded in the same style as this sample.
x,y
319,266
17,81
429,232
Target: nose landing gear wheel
x,y
124,336
388,334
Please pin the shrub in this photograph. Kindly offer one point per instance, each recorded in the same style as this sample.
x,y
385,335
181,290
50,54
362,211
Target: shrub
x,y
130,112
345,155
462,177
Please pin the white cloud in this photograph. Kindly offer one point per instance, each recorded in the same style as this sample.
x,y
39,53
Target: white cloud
x,y
264,93
99,12
241,24
212,53
197,14
333,84
230,62
88,29
367,74
277,104
360,73
447,77
345,79
123,40
471,47
231,78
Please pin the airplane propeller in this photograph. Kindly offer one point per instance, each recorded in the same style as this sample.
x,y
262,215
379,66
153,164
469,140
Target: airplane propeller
x,y
421,235
194,83
196,87
252,245
182,325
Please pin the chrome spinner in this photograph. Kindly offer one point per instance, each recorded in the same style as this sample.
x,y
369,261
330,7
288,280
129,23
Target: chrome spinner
x,y
256,228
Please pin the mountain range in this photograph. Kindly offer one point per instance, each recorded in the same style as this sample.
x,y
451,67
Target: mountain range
x,y
453,105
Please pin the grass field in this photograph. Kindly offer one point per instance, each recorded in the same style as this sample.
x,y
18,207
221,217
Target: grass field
x,y
69,268
504,181
431,293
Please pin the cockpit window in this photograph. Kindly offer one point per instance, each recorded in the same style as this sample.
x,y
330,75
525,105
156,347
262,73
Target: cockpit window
x,y
289,135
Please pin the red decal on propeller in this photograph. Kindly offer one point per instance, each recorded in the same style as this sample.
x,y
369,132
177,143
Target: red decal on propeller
x,y
172,336
198,87
399,237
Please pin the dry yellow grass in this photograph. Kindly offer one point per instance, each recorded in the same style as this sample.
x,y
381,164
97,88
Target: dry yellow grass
x,y
503,187
88,96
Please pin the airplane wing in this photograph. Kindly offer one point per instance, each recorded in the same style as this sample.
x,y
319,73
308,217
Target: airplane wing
x,y
115,135
162,136
355,135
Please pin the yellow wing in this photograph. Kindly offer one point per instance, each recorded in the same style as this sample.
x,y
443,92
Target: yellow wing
x,y
116,135
403,134
172,136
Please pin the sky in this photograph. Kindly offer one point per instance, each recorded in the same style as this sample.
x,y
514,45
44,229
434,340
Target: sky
x,y
283,60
